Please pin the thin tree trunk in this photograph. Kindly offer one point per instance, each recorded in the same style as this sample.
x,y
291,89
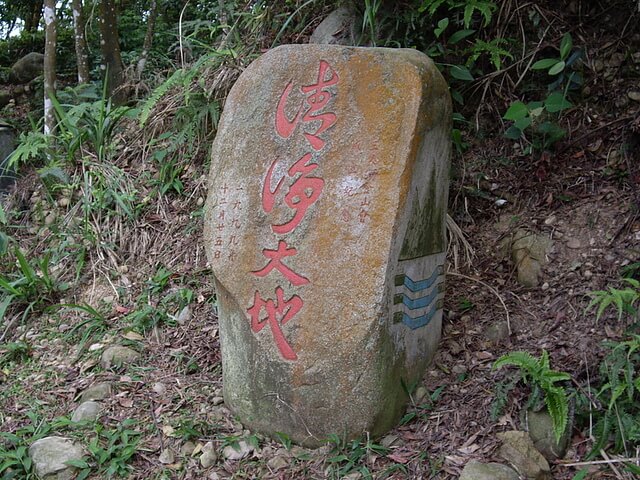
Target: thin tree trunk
x,y
110,44
49,65
33,18
82,56
148,38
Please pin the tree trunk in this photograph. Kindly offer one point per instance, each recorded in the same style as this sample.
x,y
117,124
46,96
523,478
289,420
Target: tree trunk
x,y
82,56
33,17
148,38
49,65
110,45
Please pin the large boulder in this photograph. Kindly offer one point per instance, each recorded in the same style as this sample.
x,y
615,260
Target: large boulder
x,y
7,144
325,233
27,68
338,28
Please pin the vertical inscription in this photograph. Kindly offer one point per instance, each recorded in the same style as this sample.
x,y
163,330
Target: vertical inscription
x,y
300,188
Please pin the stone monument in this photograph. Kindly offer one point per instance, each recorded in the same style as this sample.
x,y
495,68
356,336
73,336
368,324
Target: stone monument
x,y
325,231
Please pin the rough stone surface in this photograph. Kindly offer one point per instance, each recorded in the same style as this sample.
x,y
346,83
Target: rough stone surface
x,y
325,232
5,98
519,451
86,411
98,391
487,471
540,427
338,28
118,356
27,68
529,252
49,455
236,452
7,143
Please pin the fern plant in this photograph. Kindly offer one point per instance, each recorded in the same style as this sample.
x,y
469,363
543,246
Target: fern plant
x,y
544,381
620,393
623,300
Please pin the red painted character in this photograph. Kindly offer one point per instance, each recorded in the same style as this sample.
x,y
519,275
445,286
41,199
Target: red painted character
x,y
278,313
301,195
275,261
317,98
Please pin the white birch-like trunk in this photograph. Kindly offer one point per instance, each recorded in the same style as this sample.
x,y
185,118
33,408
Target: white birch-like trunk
x,y
49,65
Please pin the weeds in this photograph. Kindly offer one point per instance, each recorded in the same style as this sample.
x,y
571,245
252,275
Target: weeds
x,y
350,457
538,374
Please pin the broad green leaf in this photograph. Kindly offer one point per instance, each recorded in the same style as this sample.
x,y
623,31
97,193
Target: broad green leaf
x,y
536,112
557,68
516,111
565,45
544,64
460,35
461,73
556,102
513,133
581,475
442,26
3,216
523,123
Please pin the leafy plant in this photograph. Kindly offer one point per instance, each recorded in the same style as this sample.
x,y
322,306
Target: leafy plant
x,y
623,300
31,286
348,457
15,462
620,422
545,383
111,450
534,117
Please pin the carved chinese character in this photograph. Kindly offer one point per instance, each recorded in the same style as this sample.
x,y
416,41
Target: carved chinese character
x,y
301,195
317,98
275,261
278,313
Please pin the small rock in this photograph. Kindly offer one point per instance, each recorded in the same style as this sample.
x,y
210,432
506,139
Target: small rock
x,y
587,274
518,449
187,449
487,471
573,243
88,410
95,346
278,462
117,356
545,286
167,457
49,455
209,456
108,299
200,201
159,388
50,219
99,391
217,400
497,331
540,427
184,316
550,220
420,394
63,202
237,452
635,96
